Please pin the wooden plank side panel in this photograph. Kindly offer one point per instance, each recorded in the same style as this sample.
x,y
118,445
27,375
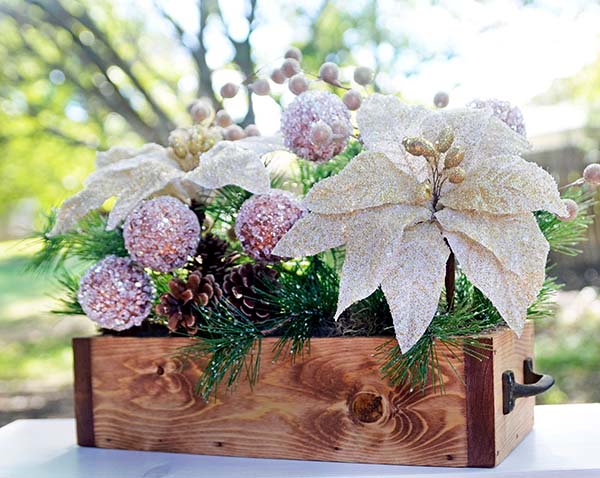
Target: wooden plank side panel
x,y
479,382
332,406
84,414
509,354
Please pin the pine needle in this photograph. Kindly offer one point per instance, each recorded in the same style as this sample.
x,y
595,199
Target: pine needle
x,y
565,236
305,302
232,345
69,302
88,242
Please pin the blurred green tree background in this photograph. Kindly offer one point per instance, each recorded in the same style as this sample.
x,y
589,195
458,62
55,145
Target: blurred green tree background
x,y
82,75
77,76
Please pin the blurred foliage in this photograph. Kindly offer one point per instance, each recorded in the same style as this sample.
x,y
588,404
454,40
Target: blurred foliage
x,y
567,348
81,75
34,344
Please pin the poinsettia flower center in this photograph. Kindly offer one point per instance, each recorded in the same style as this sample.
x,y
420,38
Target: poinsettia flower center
x,y
186,145
443,160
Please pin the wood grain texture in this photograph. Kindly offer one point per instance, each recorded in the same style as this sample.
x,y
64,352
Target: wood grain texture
x,y
332,406
84,413
479,384
509,354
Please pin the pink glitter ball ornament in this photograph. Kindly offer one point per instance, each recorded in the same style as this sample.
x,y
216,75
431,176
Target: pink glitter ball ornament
x,y
263,220
116,293
503,110
161,233
307,109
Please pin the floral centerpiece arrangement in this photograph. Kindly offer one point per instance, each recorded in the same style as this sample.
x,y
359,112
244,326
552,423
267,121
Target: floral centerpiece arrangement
x,y
392,220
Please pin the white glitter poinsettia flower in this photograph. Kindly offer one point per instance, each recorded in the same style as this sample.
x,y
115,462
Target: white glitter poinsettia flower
x,y
196,160
431,183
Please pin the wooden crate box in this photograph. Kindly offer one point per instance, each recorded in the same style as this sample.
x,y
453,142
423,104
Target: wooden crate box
x,y
132,393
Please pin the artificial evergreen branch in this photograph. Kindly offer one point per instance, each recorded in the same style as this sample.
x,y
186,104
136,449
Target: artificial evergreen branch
x,y
229,344
69,303
88,242
222,208
305,302
454,329
564,236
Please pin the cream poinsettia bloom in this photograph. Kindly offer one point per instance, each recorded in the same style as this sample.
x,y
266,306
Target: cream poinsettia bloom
x,y
196,160
462,188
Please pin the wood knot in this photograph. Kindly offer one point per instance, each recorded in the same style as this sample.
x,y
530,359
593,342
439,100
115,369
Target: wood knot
x,y
160,370
366,407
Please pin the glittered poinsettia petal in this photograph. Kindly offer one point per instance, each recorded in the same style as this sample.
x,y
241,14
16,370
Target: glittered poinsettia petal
x,y
119,153
312,234
515,240
506,185
262,144
130,179
384,121
373,237
414,284
77,206
154,177
226,163
369,180
483,136
510,293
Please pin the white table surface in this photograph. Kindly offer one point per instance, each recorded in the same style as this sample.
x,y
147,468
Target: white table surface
x,y
565,442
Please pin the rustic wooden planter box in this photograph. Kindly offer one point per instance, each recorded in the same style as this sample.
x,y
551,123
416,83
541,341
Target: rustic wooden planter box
x,y
131,393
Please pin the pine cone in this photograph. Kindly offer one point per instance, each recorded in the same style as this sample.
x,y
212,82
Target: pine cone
x,y
178,304
239,287
213,257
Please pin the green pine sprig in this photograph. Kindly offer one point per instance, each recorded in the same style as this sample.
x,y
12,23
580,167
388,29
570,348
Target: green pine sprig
x,y
304,301
222,208
473,314
565,236
69,302
88,242
231,346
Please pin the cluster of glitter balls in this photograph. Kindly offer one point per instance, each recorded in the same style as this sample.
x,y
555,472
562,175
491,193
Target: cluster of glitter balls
x,y
160,234
316,126
509,114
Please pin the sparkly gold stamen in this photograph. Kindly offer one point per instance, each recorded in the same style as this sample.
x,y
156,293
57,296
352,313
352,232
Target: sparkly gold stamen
x,y
187,144
444,140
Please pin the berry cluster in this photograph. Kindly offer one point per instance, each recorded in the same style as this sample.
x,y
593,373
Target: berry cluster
x,y
317,125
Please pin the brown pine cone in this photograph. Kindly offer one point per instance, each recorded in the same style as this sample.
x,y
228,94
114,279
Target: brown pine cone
x,y
213,257
239,288
178,304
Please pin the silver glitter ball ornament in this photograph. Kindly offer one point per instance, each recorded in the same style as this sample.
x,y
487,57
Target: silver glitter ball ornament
x,y
264,219
161,233
116,293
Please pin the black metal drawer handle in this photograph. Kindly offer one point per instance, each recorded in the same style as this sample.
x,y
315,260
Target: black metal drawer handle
x,y
535,384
